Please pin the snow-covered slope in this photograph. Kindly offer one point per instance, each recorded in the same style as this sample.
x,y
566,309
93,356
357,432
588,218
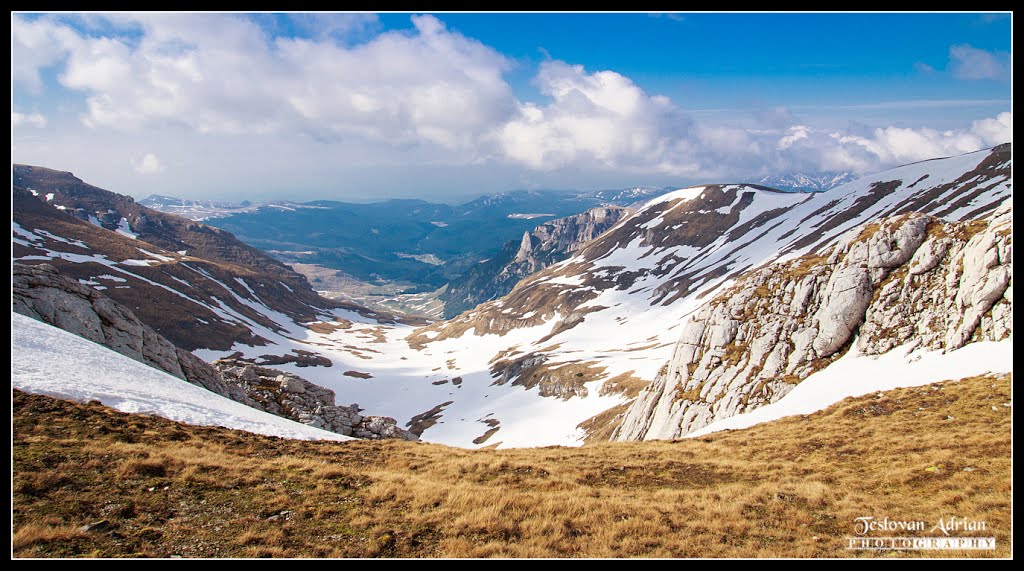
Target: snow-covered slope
x,y
197,285
50,361
903,281
580,339
561,356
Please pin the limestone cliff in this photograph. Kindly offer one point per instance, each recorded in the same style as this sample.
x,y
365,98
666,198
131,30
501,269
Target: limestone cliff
x,y
909,279
539,248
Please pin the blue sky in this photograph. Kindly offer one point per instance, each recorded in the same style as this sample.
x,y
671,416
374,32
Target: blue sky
x,y
449,106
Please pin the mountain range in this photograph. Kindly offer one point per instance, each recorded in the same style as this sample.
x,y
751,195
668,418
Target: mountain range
x,y
410,247
650,330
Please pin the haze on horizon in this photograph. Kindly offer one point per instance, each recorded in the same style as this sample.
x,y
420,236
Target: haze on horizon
x,y
446,107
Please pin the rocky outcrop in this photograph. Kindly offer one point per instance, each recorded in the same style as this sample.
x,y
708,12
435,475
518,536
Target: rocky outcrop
x,y
41,293
293,397
910,279
539,248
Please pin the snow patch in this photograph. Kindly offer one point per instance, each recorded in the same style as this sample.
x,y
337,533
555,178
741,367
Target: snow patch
x,y
49,361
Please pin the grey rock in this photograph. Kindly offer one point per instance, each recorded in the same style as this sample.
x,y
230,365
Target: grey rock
x,y
296,398
40,292
910,279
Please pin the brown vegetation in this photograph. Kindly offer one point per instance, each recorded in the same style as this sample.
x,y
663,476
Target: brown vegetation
x,y
89,481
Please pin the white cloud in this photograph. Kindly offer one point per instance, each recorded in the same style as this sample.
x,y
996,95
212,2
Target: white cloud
x,y
148,164
793,134
32,120
428,96
35,45
966,62
892,146
600,118
221,74
995,131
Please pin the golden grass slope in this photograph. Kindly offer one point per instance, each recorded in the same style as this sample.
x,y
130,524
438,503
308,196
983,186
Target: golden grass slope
x,y
92,482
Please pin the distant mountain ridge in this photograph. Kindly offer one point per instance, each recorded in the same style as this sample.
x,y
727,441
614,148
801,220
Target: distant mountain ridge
x,y
809,181
159,201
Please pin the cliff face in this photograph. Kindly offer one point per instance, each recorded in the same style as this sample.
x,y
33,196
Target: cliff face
x,y
539,248
909,279
609,317
41,293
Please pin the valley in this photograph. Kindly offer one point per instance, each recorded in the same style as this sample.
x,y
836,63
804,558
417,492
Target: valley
x,y
538,367
512,285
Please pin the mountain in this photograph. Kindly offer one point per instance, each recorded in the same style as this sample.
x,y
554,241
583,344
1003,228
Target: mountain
x,y
808,181
577,347
41,293
411,246
198,209
222,291
560,358
906,281
67,262
546,244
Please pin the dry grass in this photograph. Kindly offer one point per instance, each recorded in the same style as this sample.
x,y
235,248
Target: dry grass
x,y
791,488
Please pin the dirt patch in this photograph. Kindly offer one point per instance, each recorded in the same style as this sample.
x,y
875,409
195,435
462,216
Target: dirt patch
x,y
424,420
326,328
300,357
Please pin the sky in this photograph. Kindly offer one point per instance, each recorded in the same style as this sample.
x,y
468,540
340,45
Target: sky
x,y
449,106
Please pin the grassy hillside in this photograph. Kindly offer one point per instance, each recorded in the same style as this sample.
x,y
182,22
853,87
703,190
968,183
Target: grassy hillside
x,y
89,481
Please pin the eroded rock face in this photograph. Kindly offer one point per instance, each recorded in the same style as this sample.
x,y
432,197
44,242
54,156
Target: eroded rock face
x,y
295,398
906,279
539,248
41,293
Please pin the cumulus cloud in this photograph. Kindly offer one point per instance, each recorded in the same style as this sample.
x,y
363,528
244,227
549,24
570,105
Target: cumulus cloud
x,y
600,118
36,45
31,120
222,74
889,146
148,164
966,62
434,95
